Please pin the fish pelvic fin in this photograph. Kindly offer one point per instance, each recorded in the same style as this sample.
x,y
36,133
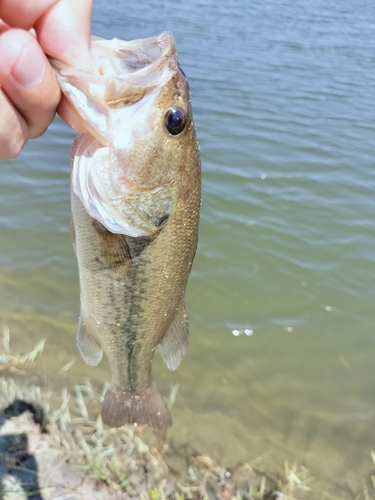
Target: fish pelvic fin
x,y
147,407
174,344
88,346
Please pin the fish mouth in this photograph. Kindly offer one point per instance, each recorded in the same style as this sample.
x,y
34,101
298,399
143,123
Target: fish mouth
x,y
126,73
117,103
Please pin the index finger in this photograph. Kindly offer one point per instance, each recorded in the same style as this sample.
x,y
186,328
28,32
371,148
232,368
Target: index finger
x,y
21,14
64,32
62,26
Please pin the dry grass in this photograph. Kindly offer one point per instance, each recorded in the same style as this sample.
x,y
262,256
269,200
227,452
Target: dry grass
x,y
16,364
112,464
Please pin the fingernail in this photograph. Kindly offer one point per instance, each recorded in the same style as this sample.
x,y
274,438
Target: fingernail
x,y
30,67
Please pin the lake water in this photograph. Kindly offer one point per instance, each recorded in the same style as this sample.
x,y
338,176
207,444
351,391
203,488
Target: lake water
x,y
281,297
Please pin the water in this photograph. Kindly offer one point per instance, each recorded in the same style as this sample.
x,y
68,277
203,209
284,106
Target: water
x,y
283,97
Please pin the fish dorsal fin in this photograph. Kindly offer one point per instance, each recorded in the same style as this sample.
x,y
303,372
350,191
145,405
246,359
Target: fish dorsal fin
x,y
174,344
88,346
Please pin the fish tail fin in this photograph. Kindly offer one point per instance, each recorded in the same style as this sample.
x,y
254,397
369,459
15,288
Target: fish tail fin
x,y
147,407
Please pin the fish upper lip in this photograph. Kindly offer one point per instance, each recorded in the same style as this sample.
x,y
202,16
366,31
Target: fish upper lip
x,y
101,97
166,55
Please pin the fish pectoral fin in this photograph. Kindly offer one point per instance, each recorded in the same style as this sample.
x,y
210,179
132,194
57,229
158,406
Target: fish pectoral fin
x,y
88,346
113,248
146,407
174,344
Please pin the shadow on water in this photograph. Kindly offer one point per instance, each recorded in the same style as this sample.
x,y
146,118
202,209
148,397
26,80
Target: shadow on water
x,y
15,460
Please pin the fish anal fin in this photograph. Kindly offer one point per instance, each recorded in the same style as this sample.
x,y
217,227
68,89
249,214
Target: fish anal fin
x,y
121,407
88,346
113,248
174,344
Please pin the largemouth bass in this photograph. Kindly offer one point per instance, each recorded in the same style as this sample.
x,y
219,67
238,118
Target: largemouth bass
x,y
135,198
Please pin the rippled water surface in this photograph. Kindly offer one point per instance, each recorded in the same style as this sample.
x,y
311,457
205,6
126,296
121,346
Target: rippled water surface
x,y
281,297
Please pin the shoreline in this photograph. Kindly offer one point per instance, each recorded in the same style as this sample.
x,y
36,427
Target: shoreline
x,y
57,448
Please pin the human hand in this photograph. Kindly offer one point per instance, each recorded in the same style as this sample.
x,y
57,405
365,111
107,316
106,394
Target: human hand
x,y
29,93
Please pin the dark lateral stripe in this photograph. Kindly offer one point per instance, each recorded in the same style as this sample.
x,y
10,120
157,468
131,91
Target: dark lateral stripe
x,y
139,283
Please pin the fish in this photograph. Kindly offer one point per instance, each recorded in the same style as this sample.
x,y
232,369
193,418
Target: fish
x,y
135,203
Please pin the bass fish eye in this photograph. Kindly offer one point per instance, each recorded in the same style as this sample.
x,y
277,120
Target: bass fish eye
x,y
175,120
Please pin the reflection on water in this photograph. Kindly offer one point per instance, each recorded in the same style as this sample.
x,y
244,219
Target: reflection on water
x,y
283,102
